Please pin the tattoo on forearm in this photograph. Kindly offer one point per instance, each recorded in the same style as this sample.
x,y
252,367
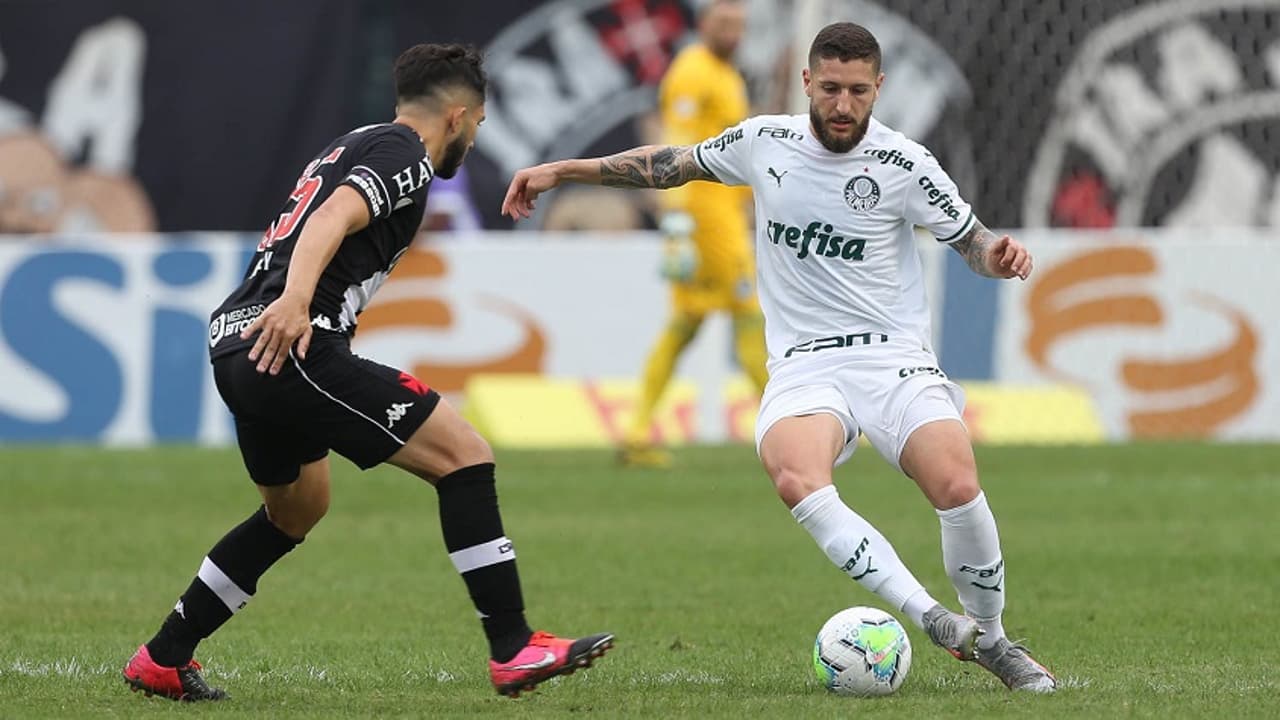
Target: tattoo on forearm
x,y
652,166
974,247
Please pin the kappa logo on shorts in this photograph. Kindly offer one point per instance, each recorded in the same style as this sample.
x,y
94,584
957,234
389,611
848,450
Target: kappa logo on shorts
x,y
397,411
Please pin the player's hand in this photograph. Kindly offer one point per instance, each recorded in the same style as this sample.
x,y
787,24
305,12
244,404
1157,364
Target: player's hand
x,y
1008,258
285,322
526,186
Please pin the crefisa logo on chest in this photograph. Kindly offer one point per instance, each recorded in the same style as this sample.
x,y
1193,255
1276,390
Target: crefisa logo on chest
x,y
862,193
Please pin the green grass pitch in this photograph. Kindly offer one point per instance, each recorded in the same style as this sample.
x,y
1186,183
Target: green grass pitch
x,y
1146,576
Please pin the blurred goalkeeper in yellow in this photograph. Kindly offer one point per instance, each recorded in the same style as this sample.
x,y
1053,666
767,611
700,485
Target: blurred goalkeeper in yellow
x,y
707,254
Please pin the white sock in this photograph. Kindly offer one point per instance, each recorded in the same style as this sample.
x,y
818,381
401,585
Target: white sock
x,y
861,552
971,555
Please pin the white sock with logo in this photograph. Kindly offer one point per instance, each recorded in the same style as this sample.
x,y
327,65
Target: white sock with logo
x,y
859,550
971,555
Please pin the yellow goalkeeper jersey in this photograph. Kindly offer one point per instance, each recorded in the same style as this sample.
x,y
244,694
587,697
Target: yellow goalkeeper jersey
x,y
701,95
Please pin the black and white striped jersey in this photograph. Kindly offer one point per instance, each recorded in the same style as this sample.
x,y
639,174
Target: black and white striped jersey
x,y
389,167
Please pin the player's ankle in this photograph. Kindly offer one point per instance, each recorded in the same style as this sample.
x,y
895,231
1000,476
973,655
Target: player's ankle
x,y
992,632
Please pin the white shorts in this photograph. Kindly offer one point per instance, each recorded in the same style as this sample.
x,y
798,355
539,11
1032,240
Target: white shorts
x,y
882,391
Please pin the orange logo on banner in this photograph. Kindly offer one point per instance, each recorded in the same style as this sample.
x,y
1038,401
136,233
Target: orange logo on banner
x,y
435,313
1068,299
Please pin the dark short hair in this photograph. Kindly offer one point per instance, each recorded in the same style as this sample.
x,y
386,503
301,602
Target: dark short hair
x,y
845,41
425,70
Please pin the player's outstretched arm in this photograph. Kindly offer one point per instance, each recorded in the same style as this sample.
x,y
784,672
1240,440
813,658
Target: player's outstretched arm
x,y
996,257
653,166
649,166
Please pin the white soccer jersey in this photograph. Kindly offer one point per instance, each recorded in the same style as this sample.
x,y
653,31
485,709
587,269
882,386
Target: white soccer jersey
x,y
835,247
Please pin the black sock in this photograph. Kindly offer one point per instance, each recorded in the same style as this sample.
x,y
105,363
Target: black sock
x,y
484,556
228,577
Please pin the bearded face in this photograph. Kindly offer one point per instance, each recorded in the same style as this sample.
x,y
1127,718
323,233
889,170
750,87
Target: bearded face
x,y
838,133
454,153
841,96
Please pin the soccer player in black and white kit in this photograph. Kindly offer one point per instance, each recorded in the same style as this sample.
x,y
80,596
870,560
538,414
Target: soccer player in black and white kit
x,y
282,361
837,195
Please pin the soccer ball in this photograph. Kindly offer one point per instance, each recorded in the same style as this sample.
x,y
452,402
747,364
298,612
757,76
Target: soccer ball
x,y
862,651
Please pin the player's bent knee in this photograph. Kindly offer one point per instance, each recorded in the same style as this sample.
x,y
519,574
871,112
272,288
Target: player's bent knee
x,y
794,485
296,522
296,508
443,444
296,514
946,482
473,449
951,484
957,495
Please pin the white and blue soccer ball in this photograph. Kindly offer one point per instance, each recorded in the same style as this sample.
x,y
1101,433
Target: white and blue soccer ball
x,y
862,651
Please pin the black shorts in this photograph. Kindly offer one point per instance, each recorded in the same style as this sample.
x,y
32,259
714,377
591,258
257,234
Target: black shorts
x,y
331,400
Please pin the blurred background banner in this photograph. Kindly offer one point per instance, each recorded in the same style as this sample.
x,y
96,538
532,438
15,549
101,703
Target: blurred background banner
x,y
106,341
177,116
192,121
1173,334
1119,335
132,116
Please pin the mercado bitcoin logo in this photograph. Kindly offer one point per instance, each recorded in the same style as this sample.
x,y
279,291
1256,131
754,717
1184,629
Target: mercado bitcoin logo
x,y
1189,394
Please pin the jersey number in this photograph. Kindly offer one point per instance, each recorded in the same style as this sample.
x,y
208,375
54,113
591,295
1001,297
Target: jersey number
x,y
302,196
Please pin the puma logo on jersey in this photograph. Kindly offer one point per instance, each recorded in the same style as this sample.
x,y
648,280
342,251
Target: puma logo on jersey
x,y
396,412
829,245
774,174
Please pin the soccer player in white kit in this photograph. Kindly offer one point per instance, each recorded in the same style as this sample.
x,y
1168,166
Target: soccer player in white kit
x,y
837,194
